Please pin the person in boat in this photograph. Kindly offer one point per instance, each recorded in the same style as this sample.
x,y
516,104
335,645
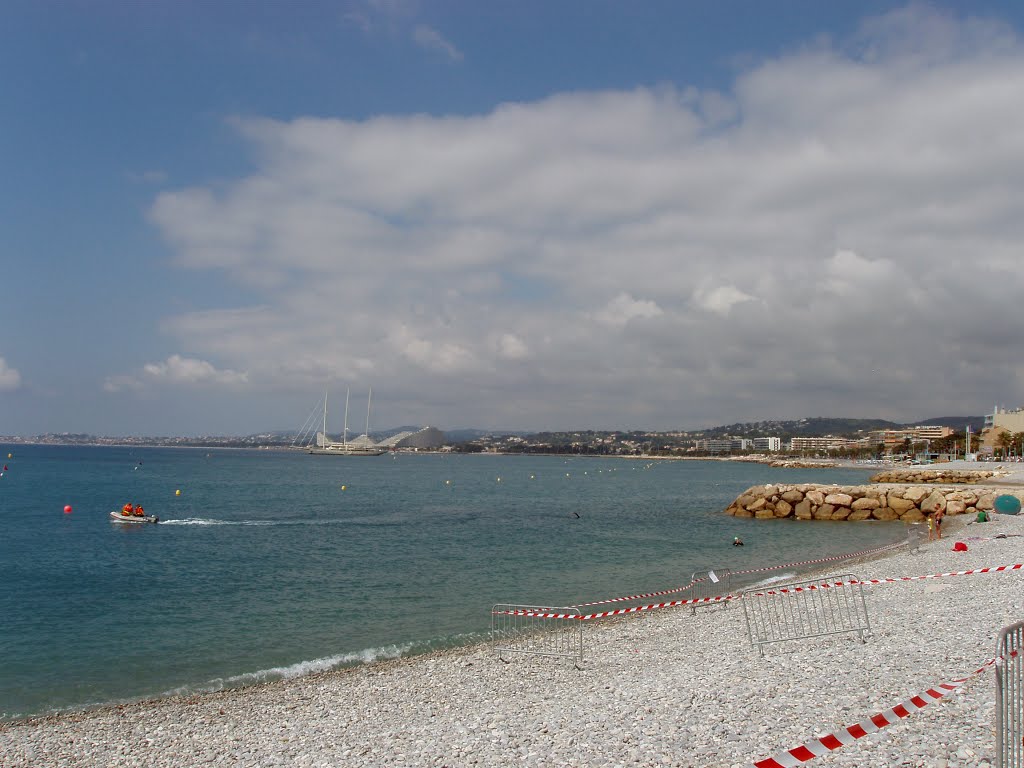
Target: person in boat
x,y
128,509
139,511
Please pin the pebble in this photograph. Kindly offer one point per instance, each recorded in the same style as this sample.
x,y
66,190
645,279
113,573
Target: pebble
x,y
672,690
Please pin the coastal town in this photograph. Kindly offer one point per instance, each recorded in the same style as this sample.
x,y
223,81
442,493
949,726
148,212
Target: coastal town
x,y
999,434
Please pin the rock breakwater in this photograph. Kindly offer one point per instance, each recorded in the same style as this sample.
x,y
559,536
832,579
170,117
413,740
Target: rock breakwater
x,y
909,503
940,476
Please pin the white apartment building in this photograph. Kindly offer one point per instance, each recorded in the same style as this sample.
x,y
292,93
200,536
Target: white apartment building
x,y
820,443
768,444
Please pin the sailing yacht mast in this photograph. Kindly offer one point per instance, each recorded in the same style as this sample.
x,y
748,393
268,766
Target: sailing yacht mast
x,y
326,389
368,396
344,434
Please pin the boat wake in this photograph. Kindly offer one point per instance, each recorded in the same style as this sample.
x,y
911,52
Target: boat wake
x,y
211,521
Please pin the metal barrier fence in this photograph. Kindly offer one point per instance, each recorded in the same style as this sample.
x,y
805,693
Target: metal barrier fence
x,y
709,583
1010,697
805,609
917,534
513,630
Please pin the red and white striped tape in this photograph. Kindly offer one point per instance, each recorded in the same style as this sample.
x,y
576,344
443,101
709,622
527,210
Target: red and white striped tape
x,y
725,598
821,745
862,553
876,550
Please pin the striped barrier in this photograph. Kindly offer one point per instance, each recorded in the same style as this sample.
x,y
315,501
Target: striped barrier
x,y
676,590
821,745
721,598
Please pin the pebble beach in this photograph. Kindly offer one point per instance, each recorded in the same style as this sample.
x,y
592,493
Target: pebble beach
x,y
664,688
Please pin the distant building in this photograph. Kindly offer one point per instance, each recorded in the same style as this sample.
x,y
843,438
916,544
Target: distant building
x,y
427,439
892,438
827,443
767,444
1008,421
728,444
998,422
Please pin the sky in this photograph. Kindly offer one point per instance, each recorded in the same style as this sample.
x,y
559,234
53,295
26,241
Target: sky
x,y
532,216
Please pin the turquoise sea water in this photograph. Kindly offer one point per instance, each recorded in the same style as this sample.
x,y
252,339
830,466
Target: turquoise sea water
x,y
264,566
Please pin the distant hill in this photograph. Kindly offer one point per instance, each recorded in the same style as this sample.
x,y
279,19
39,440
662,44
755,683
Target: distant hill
x,y
820,427
954,422
466,434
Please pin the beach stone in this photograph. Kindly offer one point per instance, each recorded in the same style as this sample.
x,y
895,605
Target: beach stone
x,y
955,507
859,514
841,513
764,514
915,494
744,500
783,508
757,504
865,503
884,513
936,501
900,504
793,496
816,497
824,512
914,515
803,510
839,499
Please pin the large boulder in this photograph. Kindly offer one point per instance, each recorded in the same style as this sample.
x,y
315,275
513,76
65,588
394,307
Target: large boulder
x,y
899,504
936,501
802,511
839,499
866,503
824,512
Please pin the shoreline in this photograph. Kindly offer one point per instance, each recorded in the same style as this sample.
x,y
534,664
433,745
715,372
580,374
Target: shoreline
x,y
660,688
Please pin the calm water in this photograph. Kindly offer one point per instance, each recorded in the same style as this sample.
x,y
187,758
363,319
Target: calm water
x,y
265,566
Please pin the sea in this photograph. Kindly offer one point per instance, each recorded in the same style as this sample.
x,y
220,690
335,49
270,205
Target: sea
x,y
275,563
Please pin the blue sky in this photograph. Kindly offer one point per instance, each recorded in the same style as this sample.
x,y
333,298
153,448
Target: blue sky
x,y
513,215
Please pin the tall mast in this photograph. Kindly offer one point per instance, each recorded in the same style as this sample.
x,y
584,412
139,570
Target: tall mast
x,y
344,435
325,416
368,396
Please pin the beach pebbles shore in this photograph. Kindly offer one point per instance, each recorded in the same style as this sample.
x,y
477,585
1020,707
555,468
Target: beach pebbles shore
x,y
658,689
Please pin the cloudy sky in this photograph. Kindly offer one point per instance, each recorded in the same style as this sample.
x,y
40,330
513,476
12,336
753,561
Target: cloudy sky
x,y
525,215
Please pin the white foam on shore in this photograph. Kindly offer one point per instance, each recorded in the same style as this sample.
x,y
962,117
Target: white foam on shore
x,y
299,669
786,576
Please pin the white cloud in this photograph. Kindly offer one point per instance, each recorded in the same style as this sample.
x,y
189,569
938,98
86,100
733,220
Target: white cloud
x,y
176,371
511,347
624,308
766,245
721,299
10,378
430,39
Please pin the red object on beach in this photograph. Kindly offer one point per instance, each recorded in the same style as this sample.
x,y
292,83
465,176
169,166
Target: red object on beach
x,y
959,547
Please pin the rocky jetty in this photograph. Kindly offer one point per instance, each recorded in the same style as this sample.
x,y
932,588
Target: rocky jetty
x,y
936,476
803,464
909,503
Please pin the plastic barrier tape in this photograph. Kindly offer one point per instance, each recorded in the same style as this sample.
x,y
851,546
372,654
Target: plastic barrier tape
x,y
821,745
723,598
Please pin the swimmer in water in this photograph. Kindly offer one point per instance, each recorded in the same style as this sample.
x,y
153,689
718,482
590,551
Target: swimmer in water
x,y
737,542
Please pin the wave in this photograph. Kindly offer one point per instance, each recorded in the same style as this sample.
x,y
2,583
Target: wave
x,y
299,669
